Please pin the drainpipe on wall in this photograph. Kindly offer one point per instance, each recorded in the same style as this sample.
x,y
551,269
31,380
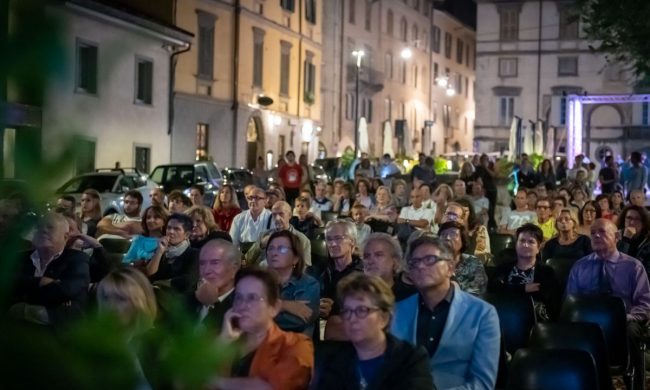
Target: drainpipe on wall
x,y
235,81
173,59
300,77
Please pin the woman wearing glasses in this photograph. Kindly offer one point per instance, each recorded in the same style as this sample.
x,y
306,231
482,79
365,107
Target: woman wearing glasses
x,y
469,272
588,214
373,359
300,293
271,357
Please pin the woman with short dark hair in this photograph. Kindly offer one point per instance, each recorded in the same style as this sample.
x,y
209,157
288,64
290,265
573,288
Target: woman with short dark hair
x,y
270,357
143,246
588,214
469,272
528,276
373,358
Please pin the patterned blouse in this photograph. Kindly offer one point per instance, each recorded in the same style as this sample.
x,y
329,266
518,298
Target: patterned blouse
x,y
470,274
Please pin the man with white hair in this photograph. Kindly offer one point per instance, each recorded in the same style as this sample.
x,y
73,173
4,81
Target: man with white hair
x,y
52,283
281,215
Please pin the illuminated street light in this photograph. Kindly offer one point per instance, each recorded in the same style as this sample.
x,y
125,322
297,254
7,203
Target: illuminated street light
x,y
451,91
406,53
442,82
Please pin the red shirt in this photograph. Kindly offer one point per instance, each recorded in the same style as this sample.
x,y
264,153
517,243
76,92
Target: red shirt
x,y
223,217
291,175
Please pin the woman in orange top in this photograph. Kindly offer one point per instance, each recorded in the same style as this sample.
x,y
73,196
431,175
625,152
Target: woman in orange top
x,y
226,207
271,358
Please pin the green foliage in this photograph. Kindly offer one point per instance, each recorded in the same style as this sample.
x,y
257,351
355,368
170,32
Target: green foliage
x,y
618,28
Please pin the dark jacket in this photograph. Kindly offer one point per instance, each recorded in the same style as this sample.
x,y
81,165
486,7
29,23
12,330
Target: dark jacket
x,y
639,249
404,367
549,292
213,235
64,298
183,271
214,320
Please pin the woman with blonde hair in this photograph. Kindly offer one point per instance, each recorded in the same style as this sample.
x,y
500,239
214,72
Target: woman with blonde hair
x,y
383,209
441,196
91,211
127,293
226,207
568,243
204,228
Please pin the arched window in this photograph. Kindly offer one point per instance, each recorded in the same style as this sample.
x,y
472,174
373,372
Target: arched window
x,y
389,22
414,33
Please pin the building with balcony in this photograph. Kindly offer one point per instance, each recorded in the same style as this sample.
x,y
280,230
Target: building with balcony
x,y
250,84
411,49
530,56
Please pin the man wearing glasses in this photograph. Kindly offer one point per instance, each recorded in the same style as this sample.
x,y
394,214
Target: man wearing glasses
x,y
460,332
545,219
247,227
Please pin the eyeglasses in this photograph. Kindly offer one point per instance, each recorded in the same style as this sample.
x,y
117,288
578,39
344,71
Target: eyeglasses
x,y
359,312
241,300
334,239
255,198
426,260
279,249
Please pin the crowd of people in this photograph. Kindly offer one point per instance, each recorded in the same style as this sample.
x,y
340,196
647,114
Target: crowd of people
x,y
398,300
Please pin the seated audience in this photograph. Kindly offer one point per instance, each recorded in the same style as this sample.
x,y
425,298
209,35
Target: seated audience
x,y
400,193
359,215
226,207
299,292
363,193
145,245
91,212
528,276
469,272
634,223
196,195
545,219
175,262
204,228
480,202
511,220
302,220
51,283
637,198
281,214
219,261
605,204
466,353
270,358
344,202
568,244
178,202
373,358
124,225
441,197
415,216
66,205
589,213
384,209
321,200
157,197
247,227
382,255
608,271
618,202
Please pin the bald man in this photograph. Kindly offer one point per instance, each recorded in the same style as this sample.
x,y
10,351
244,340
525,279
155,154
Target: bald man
x,y
608,271
281,214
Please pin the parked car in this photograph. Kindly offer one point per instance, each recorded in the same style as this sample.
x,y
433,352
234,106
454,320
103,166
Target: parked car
x,y
111,184
238,178
181,176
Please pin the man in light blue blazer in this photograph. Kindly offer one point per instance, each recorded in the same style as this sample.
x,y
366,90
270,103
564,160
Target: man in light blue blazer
x,y
461,332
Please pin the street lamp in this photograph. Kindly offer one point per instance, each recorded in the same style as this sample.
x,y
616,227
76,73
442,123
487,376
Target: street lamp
x,y
406,53
358,54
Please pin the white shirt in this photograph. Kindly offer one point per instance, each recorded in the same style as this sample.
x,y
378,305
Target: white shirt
x,y
36,261
417,214
245,229
363,232
514,219
205,309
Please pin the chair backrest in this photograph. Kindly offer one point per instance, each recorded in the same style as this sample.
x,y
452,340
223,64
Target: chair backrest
x,y
115,245
561,267
380,226
516,318
499,242
585,336
552,369
609,313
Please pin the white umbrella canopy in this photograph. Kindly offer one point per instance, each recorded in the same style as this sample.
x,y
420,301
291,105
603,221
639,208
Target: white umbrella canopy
x,y
549,149
512,142
528,141
364,146
539,138
388,139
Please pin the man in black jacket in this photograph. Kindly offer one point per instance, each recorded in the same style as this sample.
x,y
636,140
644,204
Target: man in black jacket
x,y
52,281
